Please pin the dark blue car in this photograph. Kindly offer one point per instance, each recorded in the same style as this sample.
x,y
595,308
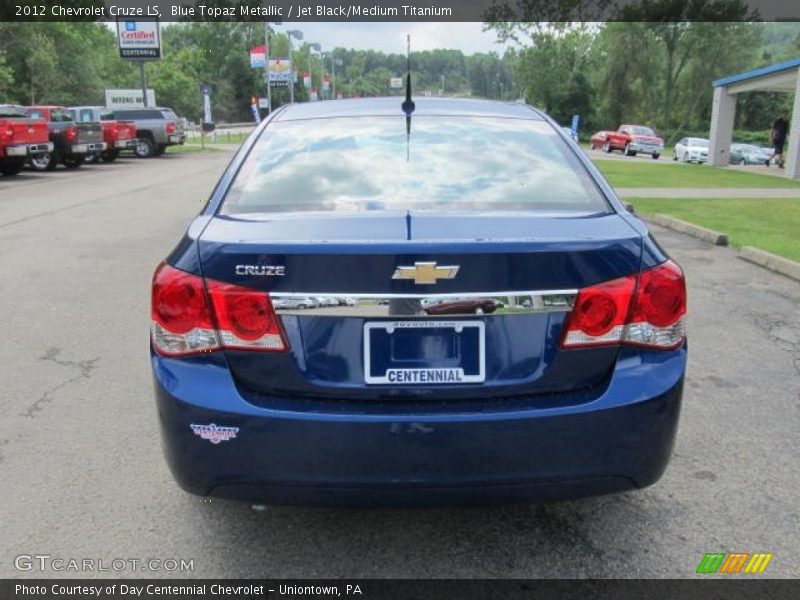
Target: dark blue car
x,y
294,356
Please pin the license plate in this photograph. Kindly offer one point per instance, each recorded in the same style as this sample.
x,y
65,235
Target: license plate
x,y
424,352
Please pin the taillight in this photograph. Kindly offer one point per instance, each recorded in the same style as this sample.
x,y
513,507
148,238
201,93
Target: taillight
x,y
70,134
7,134
170,128
181,313
113,129
188,320
658,309
245,318
646,311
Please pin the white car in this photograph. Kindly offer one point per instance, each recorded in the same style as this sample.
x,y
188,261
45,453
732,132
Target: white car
x,y
691,149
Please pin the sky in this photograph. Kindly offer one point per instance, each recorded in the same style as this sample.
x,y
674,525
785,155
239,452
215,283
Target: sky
x,y
391,37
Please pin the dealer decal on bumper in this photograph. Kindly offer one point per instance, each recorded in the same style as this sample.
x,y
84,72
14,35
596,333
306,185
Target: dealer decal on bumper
x,y
214,433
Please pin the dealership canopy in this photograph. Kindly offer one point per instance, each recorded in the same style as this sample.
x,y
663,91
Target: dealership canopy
x,y
780,77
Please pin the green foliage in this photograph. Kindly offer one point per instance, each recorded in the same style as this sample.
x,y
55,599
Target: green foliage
x,y
654,68
657,72
635,174
767,223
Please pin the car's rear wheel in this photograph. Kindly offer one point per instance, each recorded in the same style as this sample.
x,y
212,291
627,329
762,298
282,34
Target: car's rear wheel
x,y
12,166
674,156
656,156
628,151
145,148
742,161
74,161
607,147
160,149
44,162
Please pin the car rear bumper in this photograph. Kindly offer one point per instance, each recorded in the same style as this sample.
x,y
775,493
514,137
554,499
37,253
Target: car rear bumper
x,y
29,149
126,144
177,139
620,437
87,148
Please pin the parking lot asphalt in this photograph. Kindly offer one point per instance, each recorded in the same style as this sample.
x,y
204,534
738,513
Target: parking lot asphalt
x,y
81,465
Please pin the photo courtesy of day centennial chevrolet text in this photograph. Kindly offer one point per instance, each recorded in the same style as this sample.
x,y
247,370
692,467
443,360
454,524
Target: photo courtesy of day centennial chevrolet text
x,y
413,303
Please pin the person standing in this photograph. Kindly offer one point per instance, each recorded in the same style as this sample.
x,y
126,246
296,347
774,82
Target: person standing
x,y
780,129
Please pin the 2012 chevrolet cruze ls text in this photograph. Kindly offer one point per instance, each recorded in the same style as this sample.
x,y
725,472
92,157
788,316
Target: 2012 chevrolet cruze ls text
x,y
296,350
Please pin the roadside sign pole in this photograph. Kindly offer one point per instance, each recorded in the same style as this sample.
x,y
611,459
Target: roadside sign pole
x,y
144,82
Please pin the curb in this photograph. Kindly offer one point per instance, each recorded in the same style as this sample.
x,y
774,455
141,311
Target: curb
x,y
773,262
781,265
707,235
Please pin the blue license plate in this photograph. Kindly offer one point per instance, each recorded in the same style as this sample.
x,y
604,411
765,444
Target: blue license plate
x,y
422,352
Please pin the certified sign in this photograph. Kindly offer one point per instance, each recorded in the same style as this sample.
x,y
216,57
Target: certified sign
x,y
139,40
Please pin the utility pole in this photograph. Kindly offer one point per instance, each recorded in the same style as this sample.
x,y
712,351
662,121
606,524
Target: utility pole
x,y
143,80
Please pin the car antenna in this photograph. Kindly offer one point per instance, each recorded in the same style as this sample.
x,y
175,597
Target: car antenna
x,y
408,105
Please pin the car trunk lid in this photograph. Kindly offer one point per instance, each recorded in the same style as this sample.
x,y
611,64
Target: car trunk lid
x,y
368,275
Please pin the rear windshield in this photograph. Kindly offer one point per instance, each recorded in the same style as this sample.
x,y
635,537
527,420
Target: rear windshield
x,y
698,142
638,130
83,115
169,115
14,112
369,163
60,115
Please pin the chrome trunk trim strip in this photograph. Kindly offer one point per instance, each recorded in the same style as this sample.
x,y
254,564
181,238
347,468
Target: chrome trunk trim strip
x,y
423,305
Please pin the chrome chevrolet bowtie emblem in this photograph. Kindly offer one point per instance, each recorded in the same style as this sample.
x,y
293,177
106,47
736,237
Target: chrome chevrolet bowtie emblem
x,y
425,272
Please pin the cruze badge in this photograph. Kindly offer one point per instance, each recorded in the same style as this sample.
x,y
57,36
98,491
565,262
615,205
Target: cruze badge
x,y
426,273
214,433
261,270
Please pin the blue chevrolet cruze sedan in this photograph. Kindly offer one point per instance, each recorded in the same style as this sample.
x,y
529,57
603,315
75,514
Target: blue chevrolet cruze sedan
x,y
388,306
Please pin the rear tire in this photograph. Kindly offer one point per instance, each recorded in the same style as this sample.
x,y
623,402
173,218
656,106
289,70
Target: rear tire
x,y
109,156
44,162
607,147
74,161
11,166
742,162
656,156
145,148
161,149
628,151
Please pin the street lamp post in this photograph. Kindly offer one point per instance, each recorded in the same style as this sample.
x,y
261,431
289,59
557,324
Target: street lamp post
x,y
266,67
318,48
334,62
298,35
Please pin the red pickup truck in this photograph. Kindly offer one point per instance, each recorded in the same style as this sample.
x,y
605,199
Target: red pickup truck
x,y
117,135
72,142
20,139
632,139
